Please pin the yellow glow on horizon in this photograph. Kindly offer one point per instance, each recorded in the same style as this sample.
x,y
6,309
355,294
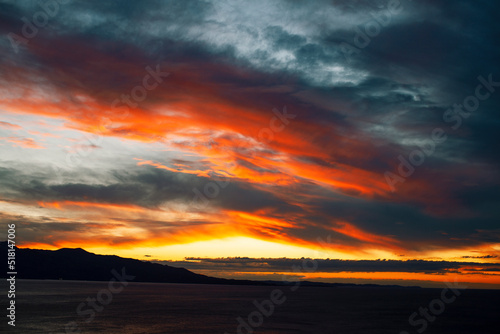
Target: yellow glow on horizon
x,y
459,255
227,247
399,278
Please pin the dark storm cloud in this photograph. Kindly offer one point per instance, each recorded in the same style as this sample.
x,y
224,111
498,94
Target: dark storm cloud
x,y
410,223
399,40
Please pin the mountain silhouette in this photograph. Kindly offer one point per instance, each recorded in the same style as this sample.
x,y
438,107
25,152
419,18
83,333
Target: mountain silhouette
x,y
78,264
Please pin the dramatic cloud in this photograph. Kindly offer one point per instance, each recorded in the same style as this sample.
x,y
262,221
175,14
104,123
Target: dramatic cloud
x,y
370,126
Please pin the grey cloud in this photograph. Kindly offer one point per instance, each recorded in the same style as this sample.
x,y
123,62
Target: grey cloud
x,y
144,186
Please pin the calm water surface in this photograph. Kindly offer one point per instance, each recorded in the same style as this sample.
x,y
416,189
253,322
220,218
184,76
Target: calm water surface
x,y
47,306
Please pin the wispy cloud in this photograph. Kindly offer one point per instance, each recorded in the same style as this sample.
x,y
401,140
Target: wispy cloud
x,y
23,142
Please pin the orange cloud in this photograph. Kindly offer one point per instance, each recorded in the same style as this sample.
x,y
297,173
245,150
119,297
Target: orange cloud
x,y
373,239
23,142
179,168
10,126
61,204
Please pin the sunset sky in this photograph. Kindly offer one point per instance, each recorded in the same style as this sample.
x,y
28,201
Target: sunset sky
x,y
232,137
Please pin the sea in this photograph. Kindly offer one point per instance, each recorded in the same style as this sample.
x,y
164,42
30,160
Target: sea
x,y
150,308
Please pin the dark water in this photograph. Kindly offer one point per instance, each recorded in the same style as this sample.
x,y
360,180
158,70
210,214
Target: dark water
x,y
47,306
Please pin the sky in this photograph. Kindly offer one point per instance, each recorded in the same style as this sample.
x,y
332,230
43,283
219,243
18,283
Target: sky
x,y
238,138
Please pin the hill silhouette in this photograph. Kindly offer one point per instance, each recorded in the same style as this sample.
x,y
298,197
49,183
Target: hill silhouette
x,y
78,264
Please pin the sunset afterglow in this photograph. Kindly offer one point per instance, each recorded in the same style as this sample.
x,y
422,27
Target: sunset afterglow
x,y
224,130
